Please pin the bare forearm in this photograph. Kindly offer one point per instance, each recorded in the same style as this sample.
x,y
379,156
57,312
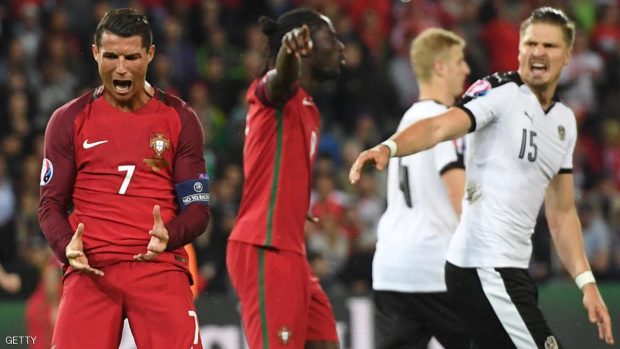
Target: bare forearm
x,y
418,137
426,133
288,68
568,241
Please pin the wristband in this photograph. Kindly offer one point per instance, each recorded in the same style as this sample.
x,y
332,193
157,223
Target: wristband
x,y
584,278
392,146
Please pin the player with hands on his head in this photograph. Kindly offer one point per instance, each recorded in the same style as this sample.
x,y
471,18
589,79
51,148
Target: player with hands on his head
x,y
520,156
123,189
282,303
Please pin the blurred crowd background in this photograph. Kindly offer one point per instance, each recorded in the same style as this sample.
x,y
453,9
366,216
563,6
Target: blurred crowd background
x,y
208,51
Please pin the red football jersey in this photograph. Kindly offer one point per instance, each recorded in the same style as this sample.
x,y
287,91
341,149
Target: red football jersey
x,y
114,166
280,148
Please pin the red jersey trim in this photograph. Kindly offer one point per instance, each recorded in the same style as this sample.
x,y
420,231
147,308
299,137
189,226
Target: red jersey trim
x,y
276,176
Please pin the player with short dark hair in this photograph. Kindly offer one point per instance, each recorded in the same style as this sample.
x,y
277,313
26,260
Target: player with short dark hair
x,y
126,160
520,156
282,303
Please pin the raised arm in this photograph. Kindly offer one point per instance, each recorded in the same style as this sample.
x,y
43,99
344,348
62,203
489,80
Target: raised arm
x,y
421,135
295,44
565,230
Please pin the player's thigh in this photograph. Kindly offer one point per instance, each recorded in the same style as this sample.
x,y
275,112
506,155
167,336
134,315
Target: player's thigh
x,y
442,322
273,290
396,322
524,295
473,307
89,314
321,321
160,307
498,308
243,270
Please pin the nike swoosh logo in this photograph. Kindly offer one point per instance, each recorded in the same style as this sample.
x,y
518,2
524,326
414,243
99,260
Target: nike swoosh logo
x,y
87,145
307,102
529,116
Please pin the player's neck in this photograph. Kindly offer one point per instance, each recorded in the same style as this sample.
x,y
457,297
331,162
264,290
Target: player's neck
x,y
544,95
436,92
308,84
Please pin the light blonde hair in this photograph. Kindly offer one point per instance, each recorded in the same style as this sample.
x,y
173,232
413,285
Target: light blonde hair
x,y
429,46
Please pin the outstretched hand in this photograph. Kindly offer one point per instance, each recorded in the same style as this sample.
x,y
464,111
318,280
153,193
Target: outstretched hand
x,y
379,155
298,41
75,253
597,312
159,238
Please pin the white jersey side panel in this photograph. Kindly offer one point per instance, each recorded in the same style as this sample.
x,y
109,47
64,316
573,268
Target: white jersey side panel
x,y
416,228
515,151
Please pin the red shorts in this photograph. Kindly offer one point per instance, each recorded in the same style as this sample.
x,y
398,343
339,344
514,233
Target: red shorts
x,y
155,297
282,304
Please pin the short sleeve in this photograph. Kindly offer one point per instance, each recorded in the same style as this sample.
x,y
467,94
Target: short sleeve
x,y
484,103
449,155
567,162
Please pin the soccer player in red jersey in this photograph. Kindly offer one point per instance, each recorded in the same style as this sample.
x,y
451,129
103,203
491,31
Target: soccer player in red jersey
x,y
126,160
282,303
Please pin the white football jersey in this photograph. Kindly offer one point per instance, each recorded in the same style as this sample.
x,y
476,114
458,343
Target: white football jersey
x,y
415,230
515,151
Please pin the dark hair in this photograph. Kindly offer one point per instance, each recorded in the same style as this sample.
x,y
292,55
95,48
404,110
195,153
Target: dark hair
x,y
275,30
553,16
125,22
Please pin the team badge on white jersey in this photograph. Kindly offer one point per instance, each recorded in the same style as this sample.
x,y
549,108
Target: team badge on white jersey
x,y
551,343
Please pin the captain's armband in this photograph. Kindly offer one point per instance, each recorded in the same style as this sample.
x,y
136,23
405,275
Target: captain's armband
x,y
193,191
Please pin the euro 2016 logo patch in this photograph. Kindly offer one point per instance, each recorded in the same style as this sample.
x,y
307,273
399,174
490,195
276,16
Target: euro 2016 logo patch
x,y
561,132
478,88
47,171
159,143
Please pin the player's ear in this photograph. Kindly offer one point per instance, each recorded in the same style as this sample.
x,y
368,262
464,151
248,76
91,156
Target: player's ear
x,y
95,51
439,68
151,53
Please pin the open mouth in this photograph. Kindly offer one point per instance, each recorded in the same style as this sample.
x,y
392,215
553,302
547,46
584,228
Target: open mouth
x,y
122,86
538,68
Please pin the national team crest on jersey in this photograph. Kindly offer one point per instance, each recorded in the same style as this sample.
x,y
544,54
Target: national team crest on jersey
x,y
285,335
551,343
478,88
561,132
159,144
47,171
